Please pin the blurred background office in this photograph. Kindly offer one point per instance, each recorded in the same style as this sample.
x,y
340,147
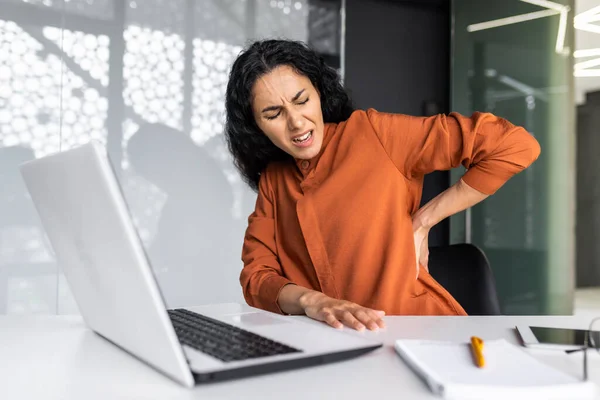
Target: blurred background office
x,y
147,79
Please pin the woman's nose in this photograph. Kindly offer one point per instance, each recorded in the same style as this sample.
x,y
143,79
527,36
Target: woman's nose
x,y
295,120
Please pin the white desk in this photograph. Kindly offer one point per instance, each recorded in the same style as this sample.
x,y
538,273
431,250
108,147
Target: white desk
x,y
57,357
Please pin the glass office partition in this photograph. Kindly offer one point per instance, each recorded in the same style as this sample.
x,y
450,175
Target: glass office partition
x,y
514,59
146,79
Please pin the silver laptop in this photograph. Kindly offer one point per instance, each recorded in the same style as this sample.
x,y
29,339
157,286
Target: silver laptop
x,y
98,248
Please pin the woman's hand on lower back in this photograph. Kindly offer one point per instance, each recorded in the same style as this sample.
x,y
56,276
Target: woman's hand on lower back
x,y
340,313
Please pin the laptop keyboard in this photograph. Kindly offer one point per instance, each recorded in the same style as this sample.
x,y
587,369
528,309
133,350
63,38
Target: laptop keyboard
x,y
223,341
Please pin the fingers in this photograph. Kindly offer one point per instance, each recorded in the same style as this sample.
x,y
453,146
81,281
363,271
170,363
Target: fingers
x,y
348,319
331,320
339,313
367,319
421,239
424,260
360,318
377,317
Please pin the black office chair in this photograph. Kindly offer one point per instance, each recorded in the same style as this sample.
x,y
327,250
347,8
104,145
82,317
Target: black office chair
x,y
464,271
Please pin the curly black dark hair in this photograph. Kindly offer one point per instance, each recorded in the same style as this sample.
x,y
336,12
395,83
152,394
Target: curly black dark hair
x,y
252,150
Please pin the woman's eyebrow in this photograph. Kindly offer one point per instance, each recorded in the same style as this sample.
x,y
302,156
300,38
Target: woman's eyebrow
x,y
274,108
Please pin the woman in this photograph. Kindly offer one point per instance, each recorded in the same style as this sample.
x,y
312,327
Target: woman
x,y
337,233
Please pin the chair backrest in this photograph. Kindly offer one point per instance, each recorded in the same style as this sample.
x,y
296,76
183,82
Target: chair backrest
x,y
464,271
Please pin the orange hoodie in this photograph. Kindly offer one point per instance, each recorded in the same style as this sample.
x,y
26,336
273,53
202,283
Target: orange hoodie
x,y
341,223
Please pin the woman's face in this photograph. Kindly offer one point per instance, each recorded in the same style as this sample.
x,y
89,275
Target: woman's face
x,y
287,108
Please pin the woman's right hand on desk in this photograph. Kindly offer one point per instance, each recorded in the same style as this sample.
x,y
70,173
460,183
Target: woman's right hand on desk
x,y
336,313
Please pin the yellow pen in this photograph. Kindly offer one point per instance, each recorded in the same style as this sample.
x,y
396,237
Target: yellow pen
x,y
477,347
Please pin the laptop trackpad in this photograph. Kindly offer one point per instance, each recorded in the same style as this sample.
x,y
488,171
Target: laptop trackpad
x,y
258,319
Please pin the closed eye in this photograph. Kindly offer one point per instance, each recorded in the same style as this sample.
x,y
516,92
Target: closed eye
x,y
272,116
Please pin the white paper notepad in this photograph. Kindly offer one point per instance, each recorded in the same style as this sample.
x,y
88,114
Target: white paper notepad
x,y
509,373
